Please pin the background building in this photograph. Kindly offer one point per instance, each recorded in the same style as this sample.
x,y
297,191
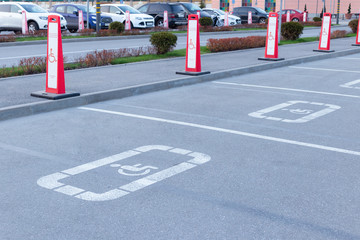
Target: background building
x,y
313,6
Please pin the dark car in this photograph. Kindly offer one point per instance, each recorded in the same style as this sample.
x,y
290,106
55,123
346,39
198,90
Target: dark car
x,y
176,13
192,9
71,14
258,15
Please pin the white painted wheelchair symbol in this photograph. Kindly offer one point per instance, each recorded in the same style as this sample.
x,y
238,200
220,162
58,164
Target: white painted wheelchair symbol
x,y
52,181
352,84
308,113
134,170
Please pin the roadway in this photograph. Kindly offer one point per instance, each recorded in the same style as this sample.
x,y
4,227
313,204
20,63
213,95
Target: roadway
x,y
11,55
267,155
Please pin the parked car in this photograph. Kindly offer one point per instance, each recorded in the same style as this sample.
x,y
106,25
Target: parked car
x,y
220,17
176,13
137,19
37,17
295,15
192,8
258,15
71,14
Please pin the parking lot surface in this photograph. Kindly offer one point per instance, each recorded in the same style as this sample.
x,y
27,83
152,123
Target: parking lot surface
x,y
268,155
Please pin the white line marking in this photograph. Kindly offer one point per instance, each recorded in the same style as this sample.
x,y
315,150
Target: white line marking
x,y
52,181
309,113
350,58
291,89
325,69
350,84
224,130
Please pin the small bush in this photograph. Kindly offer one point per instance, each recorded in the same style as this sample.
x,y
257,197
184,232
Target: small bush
x,y
163,42
206,21
291,30
317,19
231,44
118,26
7,38
338,34
353,24
86,32
33,65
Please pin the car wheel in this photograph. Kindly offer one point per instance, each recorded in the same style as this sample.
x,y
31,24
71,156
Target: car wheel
x,y
159,23
262,20
73,30
33,27
295,20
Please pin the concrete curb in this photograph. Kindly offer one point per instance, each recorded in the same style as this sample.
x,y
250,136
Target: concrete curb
x,y
47,106
94,39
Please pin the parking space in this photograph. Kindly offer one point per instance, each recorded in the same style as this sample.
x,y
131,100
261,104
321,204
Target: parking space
x,y
269,155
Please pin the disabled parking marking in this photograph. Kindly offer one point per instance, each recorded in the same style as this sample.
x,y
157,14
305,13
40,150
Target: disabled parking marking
x,y
309,114
351,84
52,181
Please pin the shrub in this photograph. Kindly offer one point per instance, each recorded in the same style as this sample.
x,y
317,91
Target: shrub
x,y
33,65
206,21
7,38
353,24
118,26
163,41
317,19
86,32
231,44
338,34
291,30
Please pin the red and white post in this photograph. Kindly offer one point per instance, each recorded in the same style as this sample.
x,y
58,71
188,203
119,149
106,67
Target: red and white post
x,y
198,13
55,78
249,17
324,42
25,29
226,19
305,17
81,21
193,60
166,19
357,42
272,39
127,21
288,16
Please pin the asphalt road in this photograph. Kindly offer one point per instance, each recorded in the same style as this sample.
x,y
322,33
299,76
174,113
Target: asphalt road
x,y
72,51
268,155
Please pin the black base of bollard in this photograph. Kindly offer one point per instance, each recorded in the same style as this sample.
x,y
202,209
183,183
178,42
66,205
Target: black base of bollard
x,y
356,45
53,96
324,51
193,73
271,59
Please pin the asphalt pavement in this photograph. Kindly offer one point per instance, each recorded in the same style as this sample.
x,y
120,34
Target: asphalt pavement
x,y
267,155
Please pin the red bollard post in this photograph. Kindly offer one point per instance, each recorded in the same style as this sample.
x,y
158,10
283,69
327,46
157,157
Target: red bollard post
x,y
272,39
127,21
357,42
166,20
193,59
25,29
324,42
55,77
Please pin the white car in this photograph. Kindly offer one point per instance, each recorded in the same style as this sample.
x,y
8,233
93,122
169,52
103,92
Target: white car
x,y
37,17
137,19
220,17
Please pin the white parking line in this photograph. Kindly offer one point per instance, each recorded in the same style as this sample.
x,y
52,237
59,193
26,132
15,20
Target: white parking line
x,y
351,84
288,89
325,69
224,130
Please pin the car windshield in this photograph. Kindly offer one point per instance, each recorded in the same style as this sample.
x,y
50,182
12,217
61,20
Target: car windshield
x,y
221,12
260,10
191,7
84,9
130,9
33,8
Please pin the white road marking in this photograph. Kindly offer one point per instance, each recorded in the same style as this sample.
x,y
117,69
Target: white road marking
x,y
224,130
350,58
294,89
52,181
309,113
325,69
351,84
